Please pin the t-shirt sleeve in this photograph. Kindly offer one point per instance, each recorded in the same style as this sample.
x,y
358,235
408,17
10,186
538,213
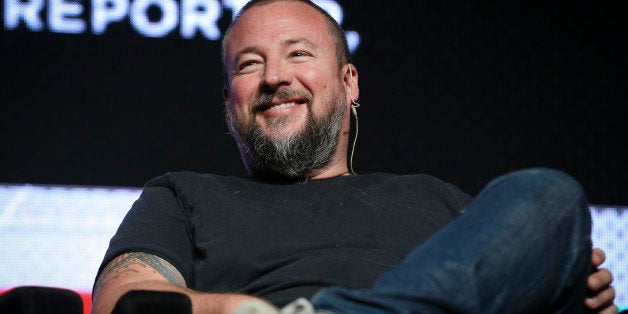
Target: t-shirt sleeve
x,y
158,224
460,198
437,190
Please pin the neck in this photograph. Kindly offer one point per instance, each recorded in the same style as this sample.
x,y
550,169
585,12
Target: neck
x,y
338,165
331,172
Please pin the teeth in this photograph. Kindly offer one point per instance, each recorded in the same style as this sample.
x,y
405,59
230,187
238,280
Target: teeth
x,y
282,106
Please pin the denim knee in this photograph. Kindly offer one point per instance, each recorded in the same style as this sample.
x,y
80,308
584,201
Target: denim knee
x,y
554,193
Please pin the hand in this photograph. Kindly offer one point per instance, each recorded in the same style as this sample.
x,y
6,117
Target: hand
x,y
600,292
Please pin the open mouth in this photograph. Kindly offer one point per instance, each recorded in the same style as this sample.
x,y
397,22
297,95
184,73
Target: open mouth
x,y
280,105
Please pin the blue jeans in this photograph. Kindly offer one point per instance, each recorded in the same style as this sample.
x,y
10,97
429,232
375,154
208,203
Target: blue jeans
x,y
522,246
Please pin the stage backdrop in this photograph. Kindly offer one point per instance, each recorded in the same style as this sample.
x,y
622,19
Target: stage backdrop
x,y
114,92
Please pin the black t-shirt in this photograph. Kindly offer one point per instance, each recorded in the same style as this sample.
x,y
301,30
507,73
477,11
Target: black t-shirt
x,y
283,241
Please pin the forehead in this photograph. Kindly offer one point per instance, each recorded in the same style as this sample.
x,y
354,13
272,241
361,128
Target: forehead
x,y
278,22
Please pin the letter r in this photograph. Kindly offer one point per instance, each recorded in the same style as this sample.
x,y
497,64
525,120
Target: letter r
x,y
14,10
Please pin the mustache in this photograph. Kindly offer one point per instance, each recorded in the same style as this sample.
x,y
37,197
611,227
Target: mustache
x,y
281,94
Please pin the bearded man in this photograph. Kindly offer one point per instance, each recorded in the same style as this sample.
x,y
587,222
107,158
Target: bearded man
x,y
303,226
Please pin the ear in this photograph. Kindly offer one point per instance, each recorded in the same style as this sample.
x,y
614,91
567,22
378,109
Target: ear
x,y
225,93
350,81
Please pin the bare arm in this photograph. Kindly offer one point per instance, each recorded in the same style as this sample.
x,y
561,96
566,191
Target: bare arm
x,y
143,271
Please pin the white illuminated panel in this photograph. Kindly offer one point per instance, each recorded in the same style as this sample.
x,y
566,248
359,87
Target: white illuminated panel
x,y
190,17
610,233
57,236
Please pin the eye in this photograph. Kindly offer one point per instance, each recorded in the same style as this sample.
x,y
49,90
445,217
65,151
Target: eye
x,y
246,64
300,54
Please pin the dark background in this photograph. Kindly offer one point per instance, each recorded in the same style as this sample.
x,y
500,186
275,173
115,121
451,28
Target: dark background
x,y
458,90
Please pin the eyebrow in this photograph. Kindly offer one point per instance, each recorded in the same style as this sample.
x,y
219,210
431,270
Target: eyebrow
x,y
294,41
246,50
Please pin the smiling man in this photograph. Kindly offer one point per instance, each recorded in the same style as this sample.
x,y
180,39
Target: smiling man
x,y
303,226
287,93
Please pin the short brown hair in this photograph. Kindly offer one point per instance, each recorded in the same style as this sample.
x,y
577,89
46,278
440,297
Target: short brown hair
x,y
337,33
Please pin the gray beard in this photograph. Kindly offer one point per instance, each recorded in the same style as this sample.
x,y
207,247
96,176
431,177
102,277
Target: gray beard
x,y
291,158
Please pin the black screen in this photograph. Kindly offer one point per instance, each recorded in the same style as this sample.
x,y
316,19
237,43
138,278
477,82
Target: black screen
x,y
116,92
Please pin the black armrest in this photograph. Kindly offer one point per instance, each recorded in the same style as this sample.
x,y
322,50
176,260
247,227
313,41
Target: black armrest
x,y
158,302
36,300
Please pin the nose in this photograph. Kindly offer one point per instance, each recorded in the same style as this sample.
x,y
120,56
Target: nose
x,y
276,74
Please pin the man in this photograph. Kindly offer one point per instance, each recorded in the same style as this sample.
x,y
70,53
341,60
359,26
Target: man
x,y
303,223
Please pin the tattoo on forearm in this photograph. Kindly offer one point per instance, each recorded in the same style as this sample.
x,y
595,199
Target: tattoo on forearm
x,y
132,262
